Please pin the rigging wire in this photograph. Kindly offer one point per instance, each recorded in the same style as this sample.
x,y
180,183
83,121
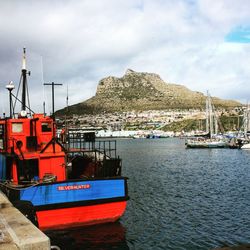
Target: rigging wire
x,y
17,92
2,102
27,90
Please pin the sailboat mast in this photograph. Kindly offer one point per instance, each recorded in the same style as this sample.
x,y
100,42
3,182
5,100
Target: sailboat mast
x,y
215,123
210,116
207,119
246,120
67,99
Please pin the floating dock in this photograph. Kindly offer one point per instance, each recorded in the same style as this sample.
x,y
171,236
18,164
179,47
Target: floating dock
x,y
16,231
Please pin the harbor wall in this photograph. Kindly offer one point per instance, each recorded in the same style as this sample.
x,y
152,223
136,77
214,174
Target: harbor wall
x,y
16,231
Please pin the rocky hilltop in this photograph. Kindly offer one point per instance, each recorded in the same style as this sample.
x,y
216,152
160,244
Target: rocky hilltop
x,y
143,91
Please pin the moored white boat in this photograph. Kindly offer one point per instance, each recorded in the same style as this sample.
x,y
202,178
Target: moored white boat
x,y
246,146
215,140
206,143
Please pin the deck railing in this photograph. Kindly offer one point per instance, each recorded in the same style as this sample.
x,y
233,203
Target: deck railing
x,y
87,142
102,152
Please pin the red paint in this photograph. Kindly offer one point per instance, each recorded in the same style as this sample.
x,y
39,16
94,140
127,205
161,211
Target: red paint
x,y
81,216
53,164
14,173
51,160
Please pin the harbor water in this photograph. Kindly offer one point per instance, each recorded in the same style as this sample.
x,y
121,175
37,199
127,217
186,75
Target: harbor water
x,y
179,199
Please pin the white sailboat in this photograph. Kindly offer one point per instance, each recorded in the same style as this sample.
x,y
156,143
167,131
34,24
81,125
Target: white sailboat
x,y
211,128
246,127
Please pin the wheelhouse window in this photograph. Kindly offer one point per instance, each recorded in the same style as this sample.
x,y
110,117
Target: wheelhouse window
x,y
46,127
17,127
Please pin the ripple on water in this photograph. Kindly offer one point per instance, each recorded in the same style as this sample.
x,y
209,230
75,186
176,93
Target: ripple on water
x,y
179,199
186,199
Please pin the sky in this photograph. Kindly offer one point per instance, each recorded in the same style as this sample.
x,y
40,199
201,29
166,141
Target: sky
x,y
201,44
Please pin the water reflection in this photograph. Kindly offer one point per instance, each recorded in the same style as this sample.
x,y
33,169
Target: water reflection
x,y
105,236
179,199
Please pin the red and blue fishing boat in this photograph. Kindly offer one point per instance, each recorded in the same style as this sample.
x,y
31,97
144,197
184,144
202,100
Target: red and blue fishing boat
x,y
57,183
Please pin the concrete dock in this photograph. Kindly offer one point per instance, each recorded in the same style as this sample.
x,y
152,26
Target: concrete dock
x,y
16,231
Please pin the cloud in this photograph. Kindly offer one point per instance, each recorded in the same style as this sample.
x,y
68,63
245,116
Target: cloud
x,y
81,42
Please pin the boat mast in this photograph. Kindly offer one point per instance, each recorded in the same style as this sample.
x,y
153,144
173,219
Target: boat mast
x,y
248,118
209,113
24,73
53,96
215,125
246,121
66,114
215,119
207,119
67,99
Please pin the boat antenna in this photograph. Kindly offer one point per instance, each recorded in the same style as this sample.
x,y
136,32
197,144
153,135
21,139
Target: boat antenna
x,y
10,87
44,107
53,96
67,98
66,114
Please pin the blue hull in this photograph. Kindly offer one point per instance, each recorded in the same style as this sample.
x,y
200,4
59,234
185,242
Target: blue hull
x,y
74,191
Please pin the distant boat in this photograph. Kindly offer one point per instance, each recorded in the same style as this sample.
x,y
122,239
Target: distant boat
x,y
206,143
157,134
246,125
246,146
210,138
235,143
242,139
139,136
153,136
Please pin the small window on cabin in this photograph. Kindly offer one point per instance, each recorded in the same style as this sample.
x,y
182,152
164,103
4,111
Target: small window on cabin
x,y
1,136
17,127
27,170
46,127
1,131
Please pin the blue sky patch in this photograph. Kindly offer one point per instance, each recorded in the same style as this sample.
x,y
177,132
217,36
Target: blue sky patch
x,y
239,35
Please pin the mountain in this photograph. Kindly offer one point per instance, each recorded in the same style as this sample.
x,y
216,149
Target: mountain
x,y
142,91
